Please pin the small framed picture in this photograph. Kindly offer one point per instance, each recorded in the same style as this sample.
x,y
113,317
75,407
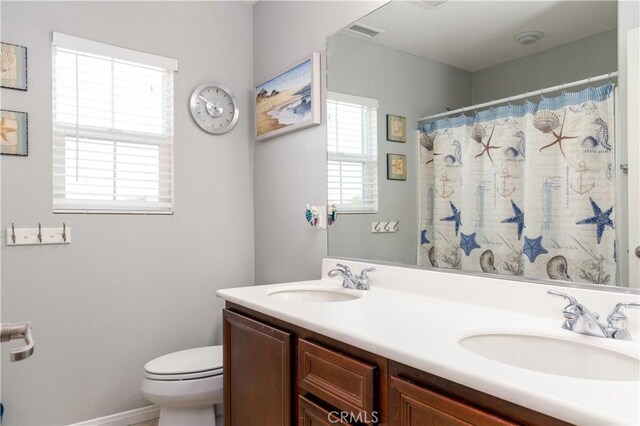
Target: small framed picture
x,y
13,66
13,133
396,128
396,167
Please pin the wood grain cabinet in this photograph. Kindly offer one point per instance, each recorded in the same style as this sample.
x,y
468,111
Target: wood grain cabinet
x,y
312,414
257,373
340,380
279,374
412,405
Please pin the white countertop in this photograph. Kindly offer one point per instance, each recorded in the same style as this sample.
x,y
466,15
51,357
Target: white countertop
x,y
413,327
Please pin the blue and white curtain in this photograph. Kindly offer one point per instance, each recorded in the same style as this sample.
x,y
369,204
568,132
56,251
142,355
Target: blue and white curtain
x,y
523,190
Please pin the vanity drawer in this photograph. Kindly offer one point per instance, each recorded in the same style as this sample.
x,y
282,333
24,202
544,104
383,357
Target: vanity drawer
x,y
413,405
312,414
342,381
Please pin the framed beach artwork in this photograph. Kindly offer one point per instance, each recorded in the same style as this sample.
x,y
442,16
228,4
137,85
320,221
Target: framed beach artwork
x,y
396,128
13,66
13,133
289,101
396,167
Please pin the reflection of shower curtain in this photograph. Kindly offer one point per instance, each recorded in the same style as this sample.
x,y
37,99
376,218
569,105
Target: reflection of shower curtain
x,y
523,190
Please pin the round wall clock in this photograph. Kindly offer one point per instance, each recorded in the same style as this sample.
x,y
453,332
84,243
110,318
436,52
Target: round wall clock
x,y
214,108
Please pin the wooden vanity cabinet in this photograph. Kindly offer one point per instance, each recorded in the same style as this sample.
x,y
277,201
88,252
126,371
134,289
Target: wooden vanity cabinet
x,y
413,405
279,374
418,398
341,381
325,375
257,372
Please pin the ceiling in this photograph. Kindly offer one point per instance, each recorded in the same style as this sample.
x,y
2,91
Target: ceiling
x,y
474,35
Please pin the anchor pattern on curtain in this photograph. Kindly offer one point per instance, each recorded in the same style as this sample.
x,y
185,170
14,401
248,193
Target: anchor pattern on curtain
x,y
523,190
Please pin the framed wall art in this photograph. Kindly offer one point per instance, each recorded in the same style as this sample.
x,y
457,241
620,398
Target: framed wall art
x,y
290,100
13,66
14,133
396,128
396,167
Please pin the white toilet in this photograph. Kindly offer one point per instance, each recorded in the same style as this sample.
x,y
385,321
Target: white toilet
x,y
185,385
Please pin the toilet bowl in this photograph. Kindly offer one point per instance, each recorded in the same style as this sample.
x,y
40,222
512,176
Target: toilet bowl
x,y
185,385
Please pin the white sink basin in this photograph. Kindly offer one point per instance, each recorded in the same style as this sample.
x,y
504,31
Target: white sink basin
x,y
315,295
554,355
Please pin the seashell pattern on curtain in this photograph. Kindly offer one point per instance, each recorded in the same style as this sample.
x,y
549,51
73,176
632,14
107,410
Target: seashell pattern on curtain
x,y
523,190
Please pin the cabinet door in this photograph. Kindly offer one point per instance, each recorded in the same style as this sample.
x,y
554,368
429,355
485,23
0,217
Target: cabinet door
x,y
257,373
412,405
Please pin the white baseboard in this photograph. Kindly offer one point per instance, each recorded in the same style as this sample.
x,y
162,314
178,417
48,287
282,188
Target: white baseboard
x,y
124,419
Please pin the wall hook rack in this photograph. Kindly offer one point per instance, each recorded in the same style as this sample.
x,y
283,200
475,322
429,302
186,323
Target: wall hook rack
x,y
38,236
385,227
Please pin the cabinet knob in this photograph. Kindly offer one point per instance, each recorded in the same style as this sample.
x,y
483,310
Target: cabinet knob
x,y
638,252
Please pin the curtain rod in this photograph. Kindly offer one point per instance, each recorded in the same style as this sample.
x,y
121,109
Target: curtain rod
x,y
523,96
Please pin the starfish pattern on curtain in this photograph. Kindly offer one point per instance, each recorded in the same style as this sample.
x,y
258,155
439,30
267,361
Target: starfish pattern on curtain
x,y
522,190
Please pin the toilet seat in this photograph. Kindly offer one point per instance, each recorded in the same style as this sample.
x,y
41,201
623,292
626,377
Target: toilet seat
x,y
189,364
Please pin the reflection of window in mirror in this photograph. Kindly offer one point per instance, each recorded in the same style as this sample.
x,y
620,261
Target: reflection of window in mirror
x,y
352,166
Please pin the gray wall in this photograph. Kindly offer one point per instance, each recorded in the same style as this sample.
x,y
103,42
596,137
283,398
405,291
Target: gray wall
x,y
405,85
577,60
286,247
128,288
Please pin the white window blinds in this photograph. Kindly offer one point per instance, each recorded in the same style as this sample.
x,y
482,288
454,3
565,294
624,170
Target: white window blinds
x,y
352,144
112,128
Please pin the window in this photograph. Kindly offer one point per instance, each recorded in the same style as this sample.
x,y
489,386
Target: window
x,y
112,128
352,144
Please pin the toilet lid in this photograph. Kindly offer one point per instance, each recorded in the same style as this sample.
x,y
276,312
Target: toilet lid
x,y
200,362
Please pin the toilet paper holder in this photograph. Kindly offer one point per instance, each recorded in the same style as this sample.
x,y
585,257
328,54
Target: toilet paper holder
x,y
21,330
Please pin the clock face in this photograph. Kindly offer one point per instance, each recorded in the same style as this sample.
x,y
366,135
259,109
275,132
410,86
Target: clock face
x,y
214,108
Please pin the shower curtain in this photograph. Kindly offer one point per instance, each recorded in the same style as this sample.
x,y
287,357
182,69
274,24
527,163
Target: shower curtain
x,y
523,190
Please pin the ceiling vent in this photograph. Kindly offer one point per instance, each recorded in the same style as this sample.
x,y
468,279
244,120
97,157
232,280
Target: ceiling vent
x,y
364,30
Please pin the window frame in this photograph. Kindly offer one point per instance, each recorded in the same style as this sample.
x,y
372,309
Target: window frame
x,y
110,136
369,159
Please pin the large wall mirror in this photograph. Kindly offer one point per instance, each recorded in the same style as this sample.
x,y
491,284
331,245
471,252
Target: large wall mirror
x,y
486,137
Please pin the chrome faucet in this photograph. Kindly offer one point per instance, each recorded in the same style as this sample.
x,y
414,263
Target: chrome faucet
x,y
359,281
581,320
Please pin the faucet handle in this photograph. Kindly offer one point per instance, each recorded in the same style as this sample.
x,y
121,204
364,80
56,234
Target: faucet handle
x,y
617,321
617,318
620,307
365,271
572,300
571,312
345,268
